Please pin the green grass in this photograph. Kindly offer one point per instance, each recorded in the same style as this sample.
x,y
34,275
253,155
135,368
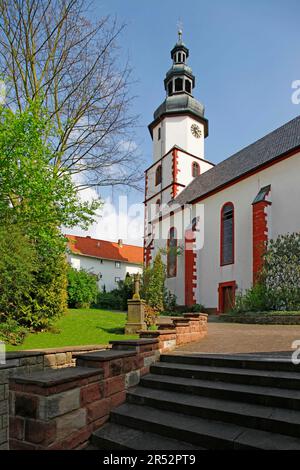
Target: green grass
x,y
79,327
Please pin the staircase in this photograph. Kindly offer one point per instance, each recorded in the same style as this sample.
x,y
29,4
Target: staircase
x,y
209,402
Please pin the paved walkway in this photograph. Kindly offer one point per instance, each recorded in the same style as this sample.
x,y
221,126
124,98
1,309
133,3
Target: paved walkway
x,y
239,338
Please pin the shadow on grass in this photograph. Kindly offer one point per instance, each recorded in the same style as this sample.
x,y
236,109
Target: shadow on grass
x,y
112,331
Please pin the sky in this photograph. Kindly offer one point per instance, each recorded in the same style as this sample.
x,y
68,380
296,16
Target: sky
x,y
245,56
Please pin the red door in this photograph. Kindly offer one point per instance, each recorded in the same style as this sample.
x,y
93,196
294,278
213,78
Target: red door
x,y
228,299
226,296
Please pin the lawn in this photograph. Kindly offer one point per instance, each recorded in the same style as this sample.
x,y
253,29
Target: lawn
x,y
79,327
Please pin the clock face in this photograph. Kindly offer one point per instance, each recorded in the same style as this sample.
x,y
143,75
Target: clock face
x,y
196,131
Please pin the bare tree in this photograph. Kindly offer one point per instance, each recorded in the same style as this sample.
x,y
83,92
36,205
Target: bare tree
x,y
51,50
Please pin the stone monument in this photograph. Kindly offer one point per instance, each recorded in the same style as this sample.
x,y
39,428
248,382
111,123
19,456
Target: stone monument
x,y
136,310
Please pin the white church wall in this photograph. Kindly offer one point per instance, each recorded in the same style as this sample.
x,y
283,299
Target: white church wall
x,y
284,217
152,188
185,162
177,129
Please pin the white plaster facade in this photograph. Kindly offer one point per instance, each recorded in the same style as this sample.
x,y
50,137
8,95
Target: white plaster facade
x,y
109,261
109,272
283,217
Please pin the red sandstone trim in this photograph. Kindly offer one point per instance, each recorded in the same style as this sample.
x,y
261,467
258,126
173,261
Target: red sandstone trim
x,y
190,267
175,171
259,237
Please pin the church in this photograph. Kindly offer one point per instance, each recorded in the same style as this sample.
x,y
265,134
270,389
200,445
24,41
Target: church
x,y
212,222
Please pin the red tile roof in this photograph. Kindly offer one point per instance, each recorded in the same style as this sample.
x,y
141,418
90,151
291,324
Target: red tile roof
x,y
104,249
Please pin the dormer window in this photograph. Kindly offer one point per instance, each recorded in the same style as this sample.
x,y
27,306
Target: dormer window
x,y
195,169
178,84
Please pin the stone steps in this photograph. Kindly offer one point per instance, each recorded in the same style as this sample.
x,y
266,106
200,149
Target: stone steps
x,y
278,379
278,420
241,361
209,434
210,402
260,395
118,437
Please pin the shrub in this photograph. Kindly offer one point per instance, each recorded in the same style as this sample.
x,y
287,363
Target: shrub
x,y
255,299
11,332
153,290
195,308
150,316
48,298
281,273
110,300
170,301
18,266
82,288
125,291
279,283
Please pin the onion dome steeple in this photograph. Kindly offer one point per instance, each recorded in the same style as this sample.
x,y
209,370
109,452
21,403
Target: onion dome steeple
x,y
179,84
179,79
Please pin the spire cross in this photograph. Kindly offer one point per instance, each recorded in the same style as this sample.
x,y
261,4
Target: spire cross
x,y
180,27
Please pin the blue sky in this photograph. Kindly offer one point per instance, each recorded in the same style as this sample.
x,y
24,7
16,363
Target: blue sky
x,y
244,54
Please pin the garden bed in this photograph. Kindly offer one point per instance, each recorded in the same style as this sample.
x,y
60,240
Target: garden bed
x,y
263,318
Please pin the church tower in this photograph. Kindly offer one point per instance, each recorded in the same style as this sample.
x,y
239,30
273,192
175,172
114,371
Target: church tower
x,y
178,131
179,120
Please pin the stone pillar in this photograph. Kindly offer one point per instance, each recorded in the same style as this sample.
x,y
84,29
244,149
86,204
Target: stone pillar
x,y
135,317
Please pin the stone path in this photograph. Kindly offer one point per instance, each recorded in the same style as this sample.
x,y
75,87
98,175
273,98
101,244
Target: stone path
x,y
238,338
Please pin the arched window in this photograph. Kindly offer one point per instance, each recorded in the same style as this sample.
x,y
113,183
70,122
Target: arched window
x,y
170,87
188,87
172,253
227,234
157,205
194,224
195,169
158,175
178,84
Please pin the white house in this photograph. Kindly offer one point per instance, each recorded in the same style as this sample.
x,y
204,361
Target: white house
x,y
213,220
109,261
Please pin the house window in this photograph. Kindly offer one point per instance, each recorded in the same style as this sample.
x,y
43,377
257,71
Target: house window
x,y
117,279
172,253
117,264
195,169
159,133
158,175
227,234
178,84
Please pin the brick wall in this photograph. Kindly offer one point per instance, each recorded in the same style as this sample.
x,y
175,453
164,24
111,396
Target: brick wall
x,y
59,409
3,408
54,405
